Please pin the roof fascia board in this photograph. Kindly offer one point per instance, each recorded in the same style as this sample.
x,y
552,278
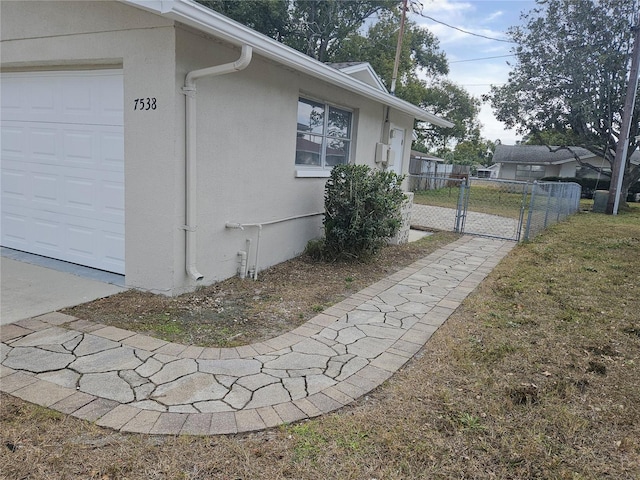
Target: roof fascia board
x,y
204,19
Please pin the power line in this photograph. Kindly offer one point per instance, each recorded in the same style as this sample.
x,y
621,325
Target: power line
x,y
482,58
419,12
466,31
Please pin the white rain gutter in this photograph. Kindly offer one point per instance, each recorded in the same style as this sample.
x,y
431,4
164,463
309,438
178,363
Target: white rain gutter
x,y
189,90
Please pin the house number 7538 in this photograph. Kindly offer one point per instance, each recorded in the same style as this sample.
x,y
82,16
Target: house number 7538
x,y
144,104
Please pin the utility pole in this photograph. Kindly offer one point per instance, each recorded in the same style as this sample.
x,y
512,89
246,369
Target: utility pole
x,y
396,63
619,164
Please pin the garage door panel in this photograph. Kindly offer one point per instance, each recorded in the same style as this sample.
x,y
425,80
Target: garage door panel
x,y
84,98
113,247
46,234
82,240
14,230
63,166
67,239
89,196
80,148
14,185
113,201
76,98
46,191
96,147
80,197
40,99
44,144
112,149
13,142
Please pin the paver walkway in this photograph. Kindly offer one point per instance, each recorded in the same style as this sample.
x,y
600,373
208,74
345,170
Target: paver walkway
x,y
135,383
476,223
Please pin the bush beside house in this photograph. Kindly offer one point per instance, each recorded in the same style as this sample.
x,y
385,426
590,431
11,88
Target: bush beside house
x,y
362,210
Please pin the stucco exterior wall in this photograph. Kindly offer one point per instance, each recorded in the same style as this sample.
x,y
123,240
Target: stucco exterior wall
x,y
508,171
246,136
568,169
88,35
246,155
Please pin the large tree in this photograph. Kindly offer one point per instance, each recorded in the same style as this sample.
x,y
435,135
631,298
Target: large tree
x,y
320,26
332,31
446,99
270,17
570,77
314,27
420,54
421,79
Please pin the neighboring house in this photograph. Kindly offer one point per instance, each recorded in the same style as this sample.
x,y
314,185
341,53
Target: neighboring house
x,y
533,162
422,170
165,142
488,172
426,165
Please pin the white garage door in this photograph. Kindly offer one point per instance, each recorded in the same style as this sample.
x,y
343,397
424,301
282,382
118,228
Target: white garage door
x,y
63,166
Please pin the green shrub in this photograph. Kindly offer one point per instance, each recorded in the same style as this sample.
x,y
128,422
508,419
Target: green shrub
x,y
362,210
315,249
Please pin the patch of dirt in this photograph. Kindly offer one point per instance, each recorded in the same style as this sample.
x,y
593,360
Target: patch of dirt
x,y
492,395
238,312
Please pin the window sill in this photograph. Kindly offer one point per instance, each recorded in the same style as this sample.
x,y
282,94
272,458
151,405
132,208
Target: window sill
x,y
304,173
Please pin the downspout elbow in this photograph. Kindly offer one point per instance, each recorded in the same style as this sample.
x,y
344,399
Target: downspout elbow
x,y
193,273
241,63
245,58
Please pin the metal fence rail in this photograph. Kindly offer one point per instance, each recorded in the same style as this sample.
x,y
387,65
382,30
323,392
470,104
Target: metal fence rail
x,y
495,208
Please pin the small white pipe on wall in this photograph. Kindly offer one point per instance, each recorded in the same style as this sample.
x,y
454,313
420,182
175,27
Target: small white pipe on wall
x,y
243,264
241,226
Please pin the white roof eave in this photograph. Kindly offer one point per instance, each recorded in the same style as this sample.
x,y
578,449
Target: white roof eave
x,y
206,20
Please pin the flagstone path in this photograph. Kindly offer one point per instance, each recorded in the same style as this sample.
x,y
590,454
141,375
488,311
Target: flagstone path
x,y
135,383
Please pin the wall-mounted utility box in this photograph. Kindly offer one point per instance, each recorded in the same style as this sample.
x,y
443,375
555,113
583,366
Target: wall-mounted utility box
x,y
382,151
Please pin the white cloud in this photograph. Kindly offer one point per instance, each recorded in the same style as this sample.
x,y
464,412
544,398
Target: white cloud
x,y
494,16
481,18
447,7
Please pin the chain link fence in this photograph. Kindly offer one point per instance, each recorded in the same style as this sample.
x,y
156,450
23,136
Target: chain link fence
x,y
494,208
549,203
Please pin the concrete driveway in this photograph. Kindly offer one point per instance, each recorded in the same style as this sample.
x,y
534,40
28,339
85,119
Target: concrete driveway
x,y
33,286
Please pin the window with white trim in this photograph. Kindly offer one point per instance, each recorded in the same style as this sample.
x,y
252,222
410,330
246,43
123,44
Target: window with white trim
x,y
323,135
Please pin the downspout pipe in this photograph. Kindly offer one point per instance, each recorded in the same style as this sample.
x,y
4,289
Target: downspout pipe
x,y
189,90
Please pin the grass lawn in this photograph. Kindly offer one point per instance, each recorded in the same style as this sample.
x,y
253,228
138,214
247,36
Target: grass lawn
x,y
489,199
536,375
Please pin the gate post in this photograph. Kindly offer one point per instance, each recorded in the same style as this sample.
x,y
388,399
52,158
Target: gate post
x,y
523,204
533,194
546,213
459,227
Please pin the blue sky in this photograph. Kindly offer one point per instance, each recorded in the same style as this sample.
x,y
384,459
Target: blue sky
x,y
483,17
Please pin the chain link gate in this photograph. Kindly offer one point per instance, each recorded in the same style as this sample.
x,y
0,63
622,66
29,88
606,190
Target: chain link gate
x,y
504,209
